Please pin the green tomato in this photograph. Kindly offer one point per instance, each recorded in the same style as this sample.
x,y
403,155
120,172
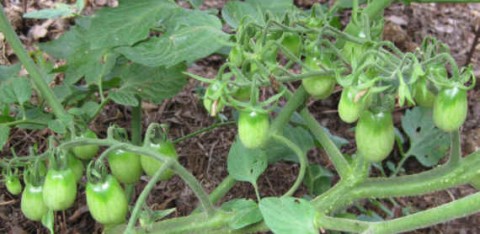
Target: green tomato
x,y
125,166
76,165
319,87
236,56
293,43
86,152
59,189
107,201
13,185
423,97
151,165
253,128
348,108
32,204
450,109
375,135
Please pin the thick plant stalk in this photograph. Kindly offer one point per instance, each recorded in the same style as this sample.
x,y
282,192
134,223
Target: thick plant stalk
x,y
36,73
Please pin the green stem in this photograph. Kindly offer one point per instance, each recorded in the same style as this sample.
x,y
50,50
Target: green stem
x,y
456,209
341,224
455,148
302,158
340,163
37,75
143,196
294,102
222,189
136,123
23,121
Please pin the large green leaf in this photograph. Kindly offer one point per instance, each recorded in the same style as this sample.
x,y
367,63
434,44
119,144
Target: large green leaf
x,y
428,144
128,23
287,215
150,83
253,11
189,35
18,90
245,212
298,135
9,72
246,164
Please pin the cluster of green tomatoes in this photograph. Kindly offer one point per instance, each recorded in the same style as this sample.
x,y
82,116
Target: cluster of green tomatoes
x,y
374,81
55,188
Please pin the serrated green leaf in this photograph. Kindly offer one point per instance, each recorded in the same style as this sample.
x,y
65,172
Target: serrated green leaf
x,y
48,221
245,211
301,137
4,134
234,11
152,84
125,25
317,179
189,35
245,164
61,10
57,126
90,108
287,215
9,72
428,144
17,90
62,91
34,114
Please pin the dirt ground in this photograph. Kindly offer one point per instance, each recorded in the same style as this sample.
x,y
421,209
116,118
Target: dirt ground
x,y
205,155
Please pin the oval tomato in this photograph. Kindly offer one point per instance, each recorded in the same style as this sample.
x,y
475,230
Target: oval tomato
x,y
151,165
107,201
422,96
125,166
13,185
319,87
236,56
292,42
253,128
59,189
348,107
32,204
375,135
450,109
86,152
76,165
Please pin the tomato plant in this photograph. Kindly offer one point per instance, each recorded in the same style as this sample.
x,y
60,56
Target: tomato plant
x,y
59,189
253,128
450,109
125,166
151,165
13,185
293,43
32,203
375,135
106,201
86,152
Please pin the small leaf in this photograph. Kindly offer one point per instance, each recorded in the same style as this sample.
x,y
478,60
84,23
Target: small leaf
x,y
245,164
427,143
4,134
317,179
61,10
301,137
48,221
9,72
245,211
287,215
57,126
18,90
